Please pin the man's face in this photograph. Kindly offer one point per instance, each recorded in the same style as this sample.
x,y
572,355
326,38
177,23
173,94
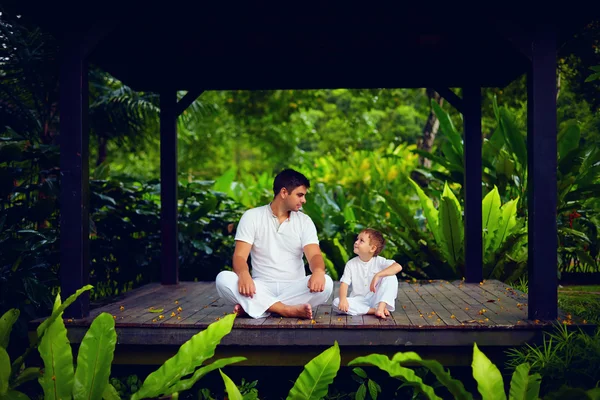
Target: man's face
x,y
295,199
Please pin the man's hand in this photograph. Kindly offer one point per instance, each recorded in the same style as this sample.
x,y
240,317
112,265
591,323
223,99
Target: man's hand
x,y
316,282
343,306
246,285
374,282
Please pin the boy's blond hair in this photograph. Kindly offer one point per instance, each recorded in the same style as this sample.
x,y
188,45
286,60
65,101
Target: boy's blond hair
x,y
375,239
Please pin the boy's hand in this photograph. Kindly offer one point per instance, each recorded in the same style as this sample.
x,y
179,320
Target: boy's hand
x,y
246,285
374,282
343,306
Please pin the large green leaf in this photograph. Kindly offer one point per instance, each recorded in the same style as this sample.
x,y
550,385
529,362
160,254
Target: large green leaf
x,y
223,183
455,387
187,384
4,371
317,375
451,226
6,323
568,138
451,154
488,377
508,222
523,386
190,355
513,137
55,350
431,215
447,128
233,393
95,358
110,393
397,371
491,217
55,313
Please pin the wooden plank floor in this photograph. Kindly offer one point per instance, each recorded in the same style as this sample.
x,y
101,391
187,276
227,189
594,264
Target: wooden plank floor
x,y
438,313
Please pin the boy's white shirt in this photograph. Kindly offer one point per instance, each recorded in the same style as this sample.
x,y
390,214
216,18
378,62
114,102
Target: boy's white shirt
x,y
277,251
358,274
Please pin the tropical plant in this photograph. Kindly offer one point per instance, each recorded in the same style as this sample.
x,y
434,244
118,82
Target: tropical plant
x,y
313,382
490,383
503,234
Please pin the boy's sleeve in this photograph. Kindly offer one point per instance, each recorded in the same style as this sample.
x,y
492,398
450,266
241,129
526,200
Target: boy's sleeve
x,y
383,263
245,229
347,275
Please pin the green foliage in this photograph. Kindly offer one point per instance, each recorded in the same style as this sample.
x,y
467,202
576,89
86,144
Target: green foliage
x,y
567,356
317,375
169,378
233,392
489,380
94,358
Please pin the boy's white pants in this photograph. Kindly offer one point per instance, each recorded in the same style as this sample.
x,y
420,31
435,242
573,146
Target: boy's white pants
x,y
269,293
386,291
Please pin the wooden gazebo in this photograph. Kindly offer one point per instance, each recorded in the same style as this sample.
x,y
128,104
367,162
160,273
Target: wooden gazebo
x,y
255,46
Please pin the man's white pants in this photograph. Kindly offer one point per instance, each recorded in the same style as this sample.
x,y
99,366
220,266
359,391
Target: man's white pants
x,y
269,293
386,291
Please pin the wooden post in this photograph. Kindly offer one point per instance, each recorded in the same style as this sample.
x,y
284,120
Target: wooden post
x,y
168,188
74,178
472,162
542,185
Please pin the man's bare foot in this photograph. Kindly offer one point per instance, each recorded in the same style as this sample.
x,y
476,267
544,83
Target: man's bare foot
x,y
297,311
237,309
382,311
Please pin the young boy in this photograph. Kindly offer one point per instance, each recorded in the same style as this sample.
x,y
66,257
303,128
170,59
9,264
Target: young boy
x,y
372,277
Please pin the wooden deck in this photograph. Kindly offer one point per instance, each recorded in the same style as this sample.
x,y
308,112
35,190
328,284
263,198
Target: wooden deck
x,y
428,314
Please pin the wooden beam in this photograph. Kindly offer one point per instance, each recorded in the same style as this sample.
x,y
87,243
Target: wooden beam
x,y
187,100
74,172
168,188
451,97
472,181
542,185
96,34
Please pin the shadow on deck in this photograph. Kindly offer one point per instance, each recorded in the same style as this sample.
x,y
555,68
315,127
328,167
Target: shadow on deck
x,y
437,318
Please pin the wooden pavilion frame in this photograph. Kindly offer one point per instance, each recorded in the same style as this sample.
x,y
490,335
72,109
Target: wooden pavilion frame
x,y
258,47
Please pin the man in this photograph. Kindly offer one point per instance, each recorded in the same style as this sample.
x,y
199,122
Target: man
x,y
276,236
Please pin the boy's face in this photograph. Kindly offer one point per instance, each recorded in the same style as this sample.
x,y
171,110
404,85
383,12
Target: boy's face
x,y
362,245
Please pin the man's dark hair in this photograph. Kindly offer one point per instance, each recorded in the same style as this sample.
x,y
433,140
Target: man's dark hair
x,y
289,179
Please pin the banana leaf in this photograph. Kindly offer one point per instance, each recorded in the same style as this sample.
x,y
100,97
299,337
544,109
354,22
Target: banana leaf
x,y
489,379
524,386
455,387
190,355
447,128
491,217
568,138
452,227
233,393
507,224
317,375
6,323
55,350
395,370
94,358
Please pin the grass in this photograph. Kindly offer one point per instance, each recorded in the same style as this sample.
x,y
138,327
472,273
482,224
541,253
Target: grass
x,y
580,288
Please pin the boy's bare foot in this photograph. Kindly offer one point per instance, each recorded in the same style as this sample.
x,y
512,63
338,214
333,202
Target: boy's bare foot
x,y
387,312
237,309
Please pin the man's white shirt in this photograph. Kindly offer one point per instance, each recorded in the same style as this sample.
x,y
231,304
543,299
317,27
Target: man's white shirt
x,y
277,250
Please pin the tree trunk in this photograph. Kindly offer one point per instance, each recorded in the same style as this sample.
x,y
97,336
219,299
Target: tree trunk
x,y
102,150
428,137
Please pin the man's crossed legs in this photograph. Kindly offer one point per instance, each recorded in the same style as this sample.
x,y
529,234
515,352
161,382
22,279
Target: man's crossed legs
x,y
288,299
